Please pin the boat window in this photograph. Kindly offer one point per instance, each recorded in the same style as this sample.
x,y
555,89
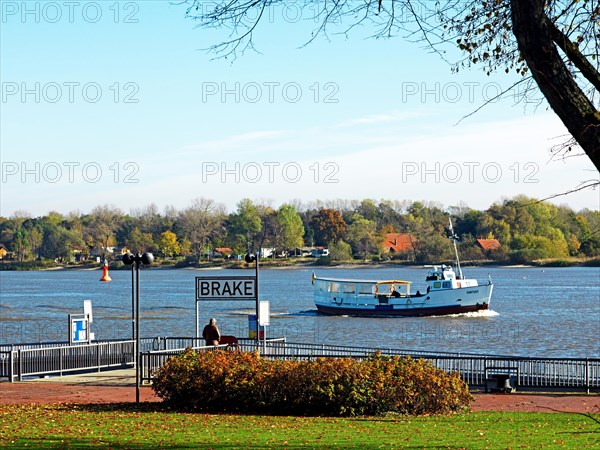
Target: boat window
x,y
349,288
366,289
334,287
446,284
437,285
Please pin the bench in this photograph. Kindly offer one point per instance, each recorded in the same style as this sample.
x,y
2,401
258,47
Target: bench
x,y
230,341
497,378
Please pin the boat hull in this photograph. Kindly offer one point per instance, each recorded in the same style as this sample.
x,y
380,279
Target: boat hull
x,y
438,302
389,311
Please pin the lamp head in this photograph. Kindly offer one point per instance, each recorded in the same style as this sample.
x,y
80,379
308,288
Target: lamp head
x,y
250,258
147,258
128,259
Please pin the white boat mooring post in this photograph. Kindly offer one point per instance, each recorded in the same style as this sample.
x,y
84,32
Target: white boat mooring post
x,y
264,316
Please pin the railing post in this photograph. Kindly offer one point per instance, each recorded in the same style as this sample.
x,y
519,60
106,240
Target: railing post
x,y
485,383
587,375
141,371
11,365
20,365
98,356
60,360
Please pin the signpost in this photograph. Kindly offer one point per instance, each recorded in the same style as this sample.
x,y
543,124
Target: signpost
x,y
264,313
80,325
264,319
228,288
225,288
79,329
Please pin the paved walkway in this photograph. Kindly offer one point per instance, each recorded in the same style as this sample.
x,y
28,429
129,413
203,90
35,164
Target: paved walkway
x,y
118,386
113,386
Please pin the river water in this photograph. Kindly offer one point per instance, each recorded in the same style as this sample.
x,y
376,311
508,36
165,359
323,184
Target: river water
x,y
551,312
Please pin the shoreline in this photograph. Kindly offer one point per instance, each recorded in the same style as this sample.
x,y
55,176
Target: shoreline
x,y
314,264
345,266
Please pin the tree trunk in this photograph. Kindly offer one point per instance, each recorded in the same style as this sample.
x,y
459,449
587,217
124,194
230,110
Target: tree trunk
x,y
569,102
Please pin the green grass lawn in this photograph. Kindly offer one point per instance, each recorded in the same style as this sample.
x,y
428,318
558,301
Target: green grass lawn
x,y
150,426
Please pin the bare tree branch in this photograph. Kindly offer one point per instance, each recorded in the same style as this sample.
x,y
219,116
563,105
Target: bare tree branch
x,y
590,184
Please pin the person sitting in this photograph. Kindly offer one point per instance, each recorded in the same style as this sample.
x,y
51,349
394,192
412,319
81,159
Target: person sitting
x,y
211,333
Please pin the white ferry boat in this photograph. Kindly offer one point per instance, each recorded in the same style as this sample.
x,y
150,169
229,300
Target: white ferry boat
x,y
447,292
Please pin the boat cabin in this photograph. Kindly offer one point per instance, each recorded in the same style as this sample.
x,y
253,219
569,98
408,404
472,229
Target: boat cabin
x,y
441,273
361,288
443,277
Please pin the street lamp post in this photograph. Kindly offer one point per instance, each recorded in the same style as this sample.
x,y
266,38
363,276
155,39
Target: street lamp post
x,y
132,299
136,261
250,258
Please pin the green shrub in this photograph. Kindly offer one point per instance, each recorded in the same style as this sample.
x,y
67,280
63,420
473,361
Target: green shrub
x,y
117,265
323,261
188,261
557,263
223,381
28,265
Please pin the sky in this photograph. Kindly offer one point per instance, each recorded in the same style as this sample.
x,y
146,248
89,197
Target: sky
x,y
118,103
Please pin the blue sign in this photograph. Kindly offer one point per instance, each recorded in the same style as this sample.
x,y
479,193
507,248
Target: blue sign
x,y
79,330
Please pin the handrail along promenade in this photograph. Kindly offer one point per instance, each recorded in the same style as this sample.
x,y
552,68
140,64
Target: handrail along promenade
x,y
19,361
527,373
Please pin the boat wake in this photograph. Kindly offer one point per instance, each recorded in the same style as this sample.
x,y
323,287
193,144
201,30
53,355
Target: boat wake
x,y
241,312
482,313
308,312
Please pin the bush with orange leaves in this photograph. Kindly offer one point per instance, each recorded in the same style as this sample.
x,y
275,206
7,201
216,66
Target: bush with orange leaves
x,y
222,381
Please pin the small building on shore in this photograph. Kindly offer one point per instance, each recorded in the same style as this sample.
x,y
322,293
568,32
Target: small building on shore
x,y
488,245
398,243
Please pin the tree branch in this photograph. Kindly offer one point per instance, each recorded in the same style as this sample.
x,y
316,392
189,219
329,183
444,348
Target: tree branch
x,y
569,102
572,51
496,97
592,184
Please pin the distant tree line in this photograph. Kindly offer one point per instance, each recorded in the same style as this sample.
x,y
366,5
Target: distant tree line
x,y
527,230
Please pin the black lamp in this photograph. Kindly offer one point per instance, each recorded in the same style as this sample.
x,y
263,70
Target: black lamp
x,y
135,261
250,258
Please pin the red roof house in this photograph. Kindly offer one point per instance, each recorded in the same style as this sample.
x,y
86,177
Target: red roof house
x,y
398,242
489,244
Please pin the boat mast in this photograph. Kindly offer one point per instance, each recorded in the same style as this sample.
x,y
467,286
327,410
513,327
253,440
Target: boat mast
x,y
454,239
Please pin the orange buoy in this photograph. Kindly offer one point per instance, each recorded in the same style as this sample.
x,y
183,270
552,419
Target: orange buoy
x,y
105,276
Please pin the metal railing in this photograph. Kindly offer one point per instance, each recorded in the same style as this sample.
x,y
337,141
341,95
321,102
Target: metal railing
x,y
57,360
150,361
561,374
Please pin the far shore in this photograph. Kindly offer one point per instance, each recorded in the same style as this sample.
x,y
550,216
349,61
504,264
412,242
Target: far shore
x,y
313,265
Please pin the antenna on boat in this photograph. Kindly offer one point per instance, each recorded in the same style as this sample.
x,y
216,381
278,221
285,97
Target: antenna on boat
x,y
454,238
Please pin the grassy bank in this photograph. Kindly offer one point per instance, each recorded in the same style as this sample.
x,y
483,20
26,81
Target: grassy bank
x,y
150,426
